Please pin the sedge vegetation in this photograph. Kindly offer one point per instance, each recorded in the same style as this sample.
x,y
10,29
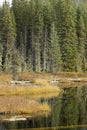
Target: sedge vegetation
x,y
39,85
21,105
17,99
21,90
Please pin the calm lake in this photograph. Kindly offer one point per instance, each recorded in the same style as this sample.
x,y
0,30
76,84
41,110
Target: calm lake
x,y
68,112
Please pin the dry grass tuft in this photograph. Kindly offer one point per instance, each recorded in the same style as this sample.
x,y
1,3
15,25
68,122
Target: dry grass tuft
x,y
14,99
39,86
5,77
36,78
45,96
29,90
41,81
70,74
21,105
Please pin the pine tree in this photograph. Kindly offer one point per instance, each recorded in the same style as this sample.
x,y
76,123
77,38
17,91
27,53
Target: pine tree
x,y
8,37
54,51
1,46
81,38
85,24
51,35
65,14
37,33
21,12
47,20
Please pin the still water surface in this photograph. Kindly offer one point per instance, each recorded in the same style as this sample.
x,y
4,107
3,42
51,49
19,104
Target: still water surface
x,y
68,112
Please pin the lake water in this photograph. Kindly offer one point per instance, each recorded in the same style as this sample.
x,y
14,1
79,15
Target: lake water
x,y
68,112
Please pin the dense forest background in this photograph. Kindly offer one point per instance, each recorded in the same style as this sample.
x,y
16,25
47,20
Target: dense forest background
x,y
43,36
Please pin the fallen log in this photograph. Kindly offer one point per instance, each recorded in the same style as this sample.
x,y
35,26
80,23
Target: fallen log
x,y
15,118
60,80
20,82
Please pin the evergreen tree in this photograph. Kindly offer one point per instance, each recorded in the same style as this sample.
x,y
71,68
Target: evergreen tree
x,y
30,23
67,34
54,51
20,9
47,20
85,25
37,33
1,46
8,37
81,38
47,35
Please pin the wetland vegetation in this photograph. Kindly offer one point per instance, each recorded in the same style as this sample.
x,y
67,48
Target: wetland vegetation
x,y
23,99
43,64
66,110
20,99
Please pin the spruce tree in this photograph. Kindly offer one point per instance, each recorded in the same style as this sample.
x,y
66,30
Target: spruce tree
x,y
8,37
37,33
85,24
47,20
54,51
65,14
21,10
1,44
50,35
81,35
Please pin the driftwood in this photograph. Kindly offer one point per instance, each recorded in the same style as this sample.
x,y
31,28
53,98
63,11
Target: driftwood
x,y
20,82
60,80
18,118
55,81
15,119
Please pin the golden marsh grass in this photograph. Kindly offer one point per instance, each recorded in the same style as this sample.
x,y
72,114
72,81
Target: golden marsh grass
x,y
39,85
21,105
71,74
15,99
28,90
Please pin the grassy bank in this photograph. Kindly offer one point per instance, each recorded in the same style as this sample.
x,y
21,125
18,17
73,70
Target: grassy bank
x,y
15,99
21,105
29,90
71,74
39,85
61,79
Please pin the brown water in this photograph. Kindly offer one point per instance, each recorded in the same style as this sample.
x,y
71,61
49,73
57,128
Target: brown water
x,y
68,111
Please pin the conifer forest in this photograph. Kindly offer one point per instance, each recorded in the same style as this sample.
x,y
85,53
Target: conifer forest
x,y
43,36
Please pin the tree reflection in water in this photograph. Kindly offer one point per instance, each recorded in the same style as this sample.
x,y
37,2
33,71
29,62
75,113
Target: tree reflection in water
x,y
69,108
2,127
